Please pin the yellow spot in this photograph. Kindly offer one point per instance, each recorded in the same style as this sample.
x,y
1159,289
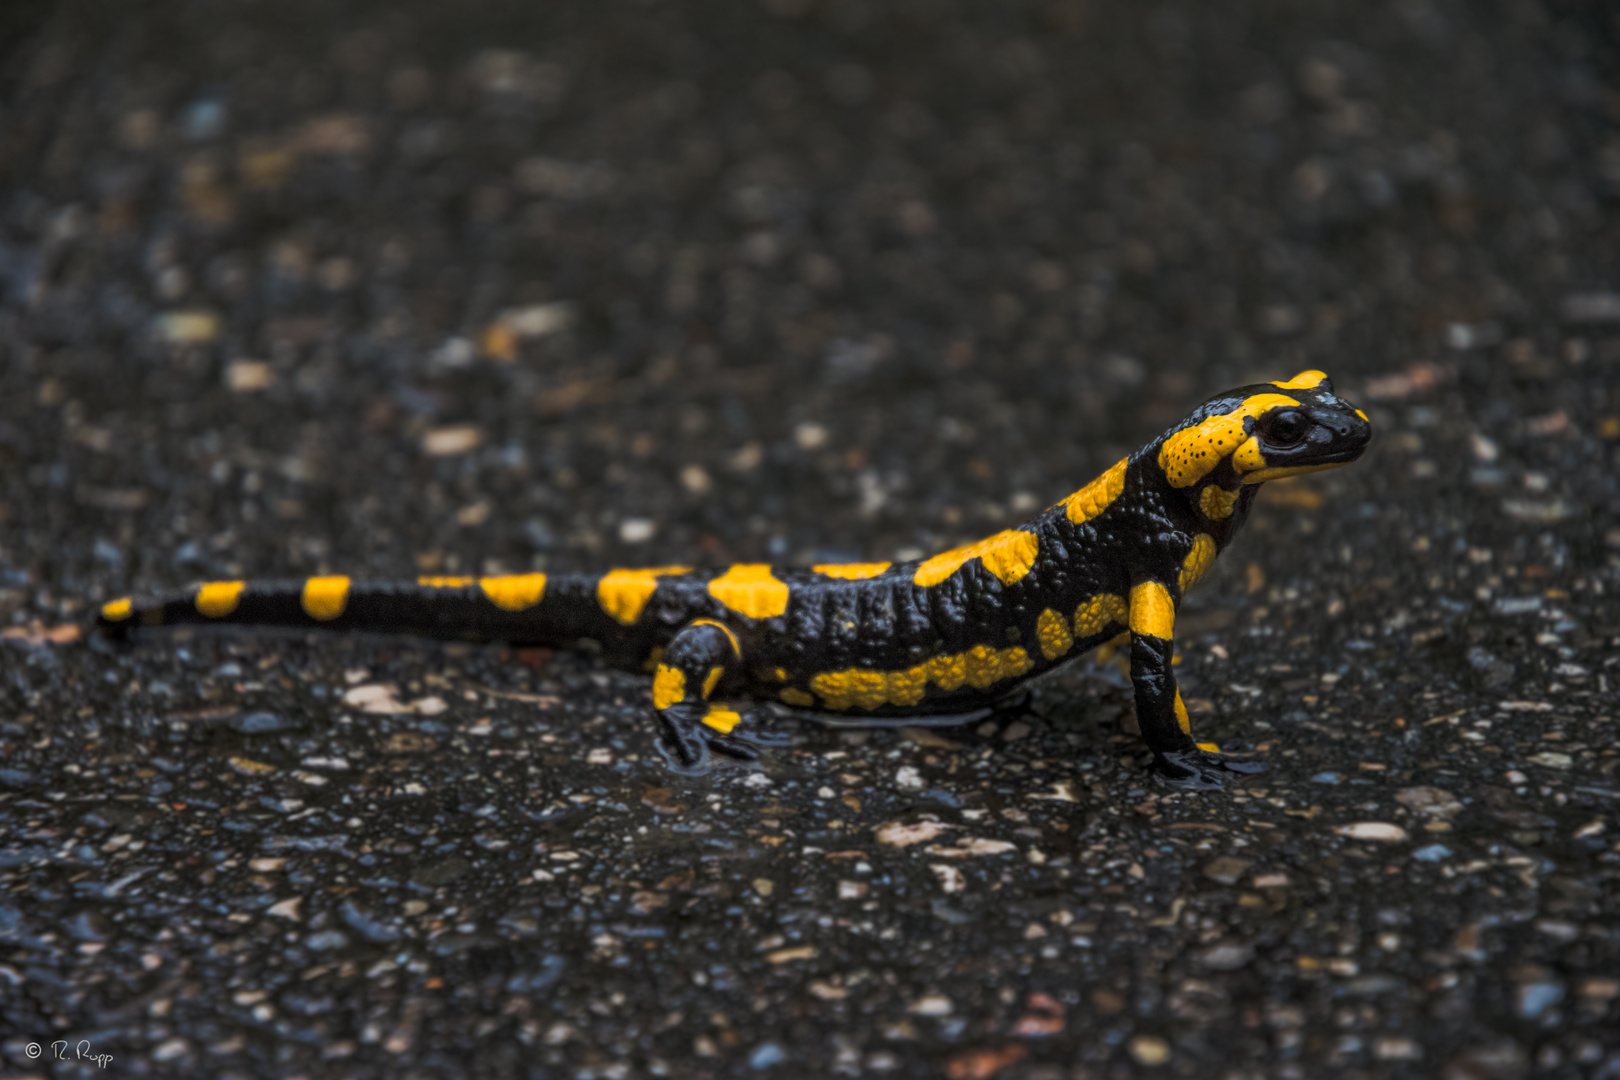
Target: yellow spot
x,y
1182,718
118,610
796,697
907,687
722,719
325,597
445,582
1197,562
1216,502
1189,455
1009,555
1209,747
749,589
987,664
1364,416
1094,498
856,686
623,593
669,686
711,679
1152,611
217,599
781,674
979,667
1098,614
724,629
854,571
1053,633
514,592
1305,380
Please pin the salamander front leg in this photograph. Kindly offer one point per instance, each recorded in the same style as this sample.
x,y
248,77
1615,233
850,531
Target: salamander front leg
x,y
1160,713
698,658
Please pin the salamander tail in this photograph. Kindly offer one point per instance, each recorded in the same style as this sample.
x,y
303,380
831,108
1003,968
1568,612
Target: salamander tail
x,y
506,608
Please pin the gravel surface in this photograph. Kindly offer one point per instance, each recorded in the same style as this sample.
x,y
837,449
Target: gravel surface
x,y
401,288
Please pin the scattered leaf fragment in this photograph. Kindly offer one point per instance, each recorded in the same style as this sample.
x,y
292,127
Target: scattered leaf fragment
x,y
902,834
969,847
37,634
1430,802
448,441
1373,830
1045,1017
984,1064
797,952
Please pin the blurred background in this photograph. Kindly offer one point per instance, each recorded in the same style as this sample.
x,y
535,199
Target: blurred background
x,y
405,287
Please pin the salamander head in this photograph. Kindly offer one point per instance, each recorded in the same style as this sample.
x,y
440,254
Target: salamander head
x,y
1265,432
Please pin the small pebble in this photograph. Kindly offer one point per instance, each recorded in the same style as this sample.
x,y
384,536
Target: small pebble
x,y
1149,1050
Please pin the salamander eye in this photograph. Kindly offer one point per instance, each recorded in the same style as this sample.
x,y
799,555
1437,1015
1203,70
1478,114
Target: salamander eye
x,y
1285,428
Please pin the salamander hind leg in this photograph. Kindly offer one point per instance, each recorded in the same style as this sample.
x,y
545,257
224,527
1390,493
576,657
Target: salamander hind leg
x,y
693,728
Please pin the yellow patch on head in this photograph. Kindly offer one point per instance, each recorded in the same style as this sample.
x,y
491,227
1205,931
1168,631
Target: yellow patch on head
x,y
669,686
1152,611
1099,614
1189,455
1216,502
854,571
1197,562
722,719
445,582
1305,380
797,698
217,599
750,589
624,593
1182,719
1247,458
1094,498
711,679
514,592
324,598
726,630
118,610
1053,634
1009,555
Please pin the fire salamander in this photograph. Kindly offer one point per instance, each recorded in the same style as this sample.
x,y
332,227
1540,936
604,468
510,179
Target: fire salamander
x,y
942,636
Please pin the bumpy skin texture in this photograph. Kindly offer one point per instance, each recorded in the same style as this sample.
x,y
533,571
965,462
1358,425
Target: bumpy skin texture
x,y
947,635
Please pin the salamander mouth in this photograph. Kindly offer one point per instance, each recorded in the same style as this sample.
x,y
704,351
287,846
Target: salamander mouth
x,y
1337,457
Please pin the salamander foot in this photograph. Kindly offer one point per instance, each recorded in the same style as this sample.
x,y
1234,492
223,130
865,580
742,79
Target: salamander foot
x,y
689,746
1200,770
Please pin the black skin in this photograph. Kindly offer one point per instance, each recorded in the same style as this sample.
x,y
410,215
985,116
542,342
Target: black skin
x,y
883,623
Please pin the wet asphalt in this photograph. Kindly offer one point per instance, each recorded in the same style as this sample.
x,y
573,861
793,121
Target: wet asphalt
x,y
414,288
